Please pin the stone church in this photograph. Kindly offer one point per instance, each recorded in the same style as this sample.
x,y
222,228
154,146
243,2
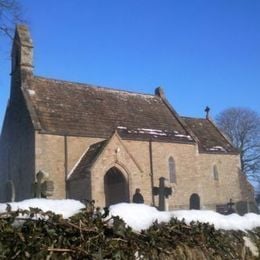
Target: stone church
x,y
90,142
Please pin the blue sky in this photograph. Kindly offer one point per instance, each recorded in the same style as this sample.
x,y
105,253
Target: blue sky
x,y
201,52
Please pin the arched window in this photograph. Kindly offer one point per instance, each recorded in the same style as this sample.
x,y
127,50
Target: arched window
x,y
215,172
172,170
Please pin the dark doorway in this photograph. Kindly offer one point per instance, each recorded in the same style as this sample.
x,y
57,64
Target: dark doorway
x,y
116,187
194,201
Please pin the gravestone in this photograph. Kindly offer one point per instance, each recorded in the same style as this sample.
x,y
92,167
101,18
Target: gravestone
x,y
43,187
163,192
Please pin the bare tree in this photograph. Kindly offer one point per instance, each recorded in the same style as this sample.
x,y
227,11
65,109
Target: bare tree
x,y
242,127
10,14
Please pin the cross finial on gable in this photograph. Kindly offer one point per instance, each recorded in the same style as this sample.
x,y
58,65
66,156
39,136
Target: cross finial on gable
x,y
207,109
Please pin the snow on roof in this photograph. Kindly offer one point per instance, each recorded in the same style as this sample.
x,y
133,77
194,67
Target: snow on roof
x,y
217,148
31,92
155,132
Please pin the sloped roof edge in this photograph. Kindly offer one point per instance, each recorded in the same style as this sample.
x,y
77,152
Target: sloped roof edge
x,y
81,165
30,107
179,118
223,135
211,139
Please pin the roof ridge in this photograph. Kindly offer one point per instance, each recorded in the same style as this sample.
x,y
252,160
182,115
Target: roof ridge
x,y
60,81
190,117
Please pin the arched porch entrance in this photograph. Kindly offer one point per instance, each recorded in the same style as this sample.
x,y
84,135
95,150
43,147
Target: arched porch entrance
x,y
194,201
116,187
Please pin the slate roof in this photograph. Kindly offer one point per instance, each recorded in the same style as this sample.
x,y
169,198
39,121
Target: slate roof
x,y
211,140
87,160
85,110
69,108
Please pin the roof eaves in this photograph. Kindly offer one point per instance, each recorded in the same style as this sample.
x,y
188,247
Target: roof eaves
x,y
219,153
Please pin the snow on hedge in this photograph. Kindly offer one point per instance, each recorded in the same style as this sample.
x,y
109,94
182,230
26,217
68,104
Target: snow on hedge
x,y
227,222
67,208
141,216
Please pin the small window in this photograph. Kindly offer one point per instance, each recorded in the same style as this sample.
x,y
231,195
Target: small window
x,y
215,173
172,170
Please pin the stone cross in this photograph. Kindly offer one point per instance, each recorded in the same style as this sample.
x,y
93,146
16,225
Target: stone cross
x,y
163,193
207,109
230,208
43,187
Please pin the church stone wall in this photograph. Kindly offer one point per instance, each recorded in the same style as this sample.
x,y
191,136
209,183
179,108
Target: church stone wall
x,y
51,158
116,154
194,171
227,186
17,151
186,175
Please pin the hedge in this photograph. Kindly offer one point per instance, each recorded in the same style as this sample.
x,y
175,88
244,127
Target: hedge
x,y
33,234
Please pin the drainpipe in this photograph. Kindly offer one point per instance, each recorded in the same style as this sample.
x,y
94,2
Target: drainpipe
x,y
151,168
66,164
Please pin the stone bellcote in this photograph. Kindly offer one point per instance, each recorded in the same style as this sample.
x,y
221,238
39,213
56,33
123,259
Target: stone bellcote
x,y
22,50
159,92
